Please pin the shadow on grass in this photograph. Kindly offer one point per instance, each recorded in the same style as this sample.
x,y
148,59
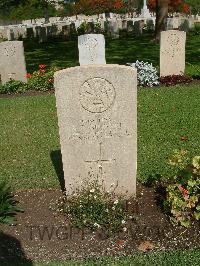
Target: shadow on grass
x,y
54,53
11,251
127,49
56,158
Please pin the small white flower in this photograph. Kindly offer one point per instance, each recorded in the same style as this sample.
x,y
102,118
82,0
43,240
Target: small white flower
x,y
123,221
92,190
113,208
106,210
95,197
116,202
124,229
97,225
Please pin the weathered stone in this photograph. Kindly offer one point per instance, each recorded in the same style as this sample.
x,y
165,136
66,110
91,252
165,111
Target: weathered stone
x,y
138,27
91,49
172,53
97,116
29,33
185,25
12,61
130,26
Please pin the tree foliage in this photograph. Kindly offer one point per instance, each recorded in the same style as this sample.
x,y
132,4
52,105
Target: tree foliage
x,y
194,6
98,6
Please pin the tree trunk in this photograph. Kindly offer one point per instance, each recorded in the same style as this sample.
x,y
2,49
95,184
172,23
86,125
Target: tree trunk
x,y
161,16
46,14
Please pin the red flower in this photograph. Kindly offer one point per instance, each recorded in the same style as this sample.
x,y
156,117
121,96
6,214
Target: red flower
x,y
28,75
42,66
183,190
42,70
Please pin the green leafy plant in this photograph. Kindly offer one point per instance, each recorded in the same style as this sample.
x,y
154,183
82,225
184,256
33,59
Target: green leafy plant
x,y
93,208
197,28
89,27
42,79
13,86
183,194
8,206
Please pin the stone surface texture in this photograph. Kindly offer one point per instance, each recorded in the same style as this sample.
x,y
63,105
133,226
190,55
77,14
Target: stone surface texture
x,y
12,61
91,49
97,117
172,53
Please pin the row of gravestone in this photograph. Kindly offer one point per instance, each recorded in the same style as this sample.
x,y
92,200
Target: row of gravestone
x,y
97,117
97,114
41,33
172,51
92,51
68,29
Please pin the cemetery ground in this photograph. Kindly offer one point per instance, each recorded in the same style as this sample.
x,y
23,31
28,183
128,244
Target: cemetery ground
x,y
29,125
168,119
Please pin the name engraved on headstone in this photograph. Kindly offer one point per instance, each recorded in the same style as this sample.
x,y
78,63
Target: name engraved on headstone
x,y
97,95
11,75
97,129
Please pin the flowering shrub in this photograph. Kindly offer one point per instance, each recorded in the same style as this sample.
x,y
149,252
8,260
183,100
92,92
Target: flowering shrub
x,y
94,208
183,195
41,80
147,74
13,86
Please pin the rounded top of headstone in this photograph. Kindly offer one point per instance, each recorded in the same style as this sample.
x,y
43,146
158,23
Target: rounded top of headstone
x,y
83,67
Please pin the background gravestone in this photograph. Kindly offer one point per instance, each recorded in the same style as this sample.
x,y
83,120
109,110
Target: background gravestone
x,y
91,49
172,53
97,117
12,61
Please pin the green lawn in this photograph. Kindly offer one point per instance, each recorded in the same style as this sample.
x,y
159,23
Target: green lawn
x,y
177,258
30,156
118,51
30,149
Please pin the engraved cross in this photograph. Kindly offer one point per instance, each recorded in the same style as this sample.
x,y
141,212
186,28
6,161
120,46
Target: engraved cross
x,y
100,161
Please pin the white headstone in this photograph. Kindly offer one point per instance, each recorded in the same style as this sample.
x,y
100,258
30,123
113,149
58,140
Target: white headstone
x,y
91,49
97,117
172,53
12,61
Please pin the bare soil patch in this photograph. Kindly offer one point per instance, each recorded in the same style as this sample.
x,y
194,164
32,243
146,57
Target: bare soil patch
x,y
43,234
